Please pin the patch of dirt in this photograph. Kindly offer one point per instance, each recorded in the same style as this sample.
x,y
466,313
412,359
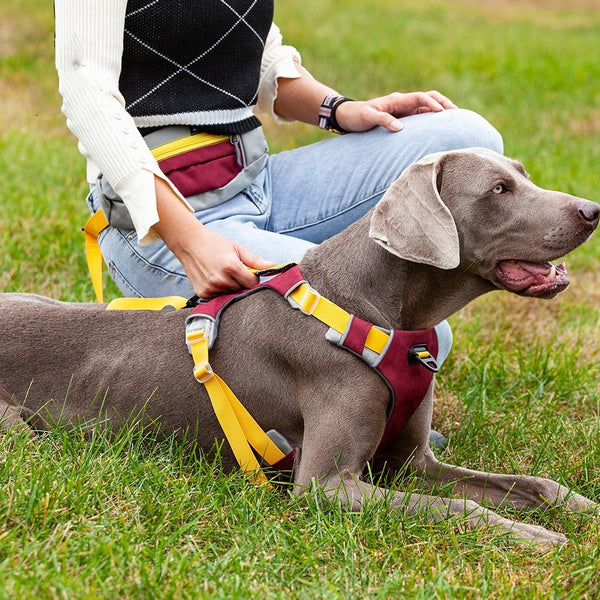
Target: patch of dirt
x,y
16,105
27,98
8,37
15,32
551,14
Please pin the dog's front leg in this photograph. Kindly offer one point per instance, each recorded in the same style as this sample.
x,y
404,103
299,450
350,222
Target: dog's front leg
x,y
347,489
13,417
518,491
335,450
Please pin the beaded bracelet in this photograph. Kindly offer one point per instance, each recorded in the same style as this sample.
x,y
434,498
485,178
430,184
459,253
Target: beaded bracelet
x,y
329,106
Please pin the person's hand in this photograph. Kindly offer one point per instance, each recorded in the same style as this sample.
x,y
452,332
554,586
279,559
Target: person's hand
x,y
216,265
385,111
213,264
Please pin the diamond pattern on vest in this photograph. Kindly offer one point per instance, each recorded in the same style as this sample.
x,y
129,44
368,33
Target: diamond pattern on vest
x,y
183,56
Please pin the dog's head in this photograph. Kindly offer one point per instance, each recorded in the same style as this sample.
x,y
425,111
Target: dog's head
x,y
477,211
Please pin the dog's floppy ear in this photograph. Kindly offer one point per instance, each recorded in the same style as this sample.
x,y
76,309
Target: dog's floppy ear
x,y
411,220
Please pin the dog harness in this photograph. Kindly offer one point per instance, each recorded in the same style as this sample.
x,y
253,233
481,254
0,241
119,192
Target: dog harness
x,y
405,360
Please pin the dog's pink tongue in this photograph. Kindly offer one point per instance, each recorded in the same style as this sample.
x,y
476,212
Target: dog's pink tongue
x,y
520,269
532,279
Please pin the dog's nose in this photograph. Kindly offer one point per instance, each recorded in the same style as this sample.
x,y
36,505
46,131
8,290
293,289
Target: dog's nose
x,y
589,212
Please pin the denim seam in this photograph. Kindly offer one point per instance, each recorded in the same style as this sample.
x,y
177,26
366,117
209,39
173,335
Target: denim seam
x,y
145,260
332,216
114,270
257,198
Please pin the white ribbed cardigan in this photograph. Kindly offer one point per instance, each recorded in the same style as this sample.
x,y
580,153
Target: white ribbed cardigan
x,y
89,46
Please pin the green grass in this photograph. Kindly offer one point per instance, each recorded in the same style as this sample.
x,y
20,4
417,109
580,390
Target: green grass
x,y
136,519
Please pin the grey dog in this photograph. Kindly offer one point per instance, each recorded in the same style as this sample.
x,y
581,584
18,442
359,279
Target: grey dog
x,y
454,226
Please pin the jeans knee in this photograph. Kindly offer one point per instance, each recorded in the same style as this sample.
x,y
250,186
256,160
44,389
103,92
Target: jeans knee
x,y
470,130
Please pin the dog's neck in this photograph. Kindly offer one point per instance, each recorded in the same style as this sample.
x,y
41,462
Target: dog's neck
x,y
365,279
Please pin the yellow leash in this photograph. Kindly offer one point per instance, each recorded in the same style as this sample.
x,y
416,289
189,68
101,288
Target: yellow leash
x,y
147,303
95,224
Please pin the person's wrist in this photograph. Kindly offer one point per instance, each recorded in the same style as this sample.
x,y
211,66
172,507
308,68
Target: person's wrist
x,y
327,113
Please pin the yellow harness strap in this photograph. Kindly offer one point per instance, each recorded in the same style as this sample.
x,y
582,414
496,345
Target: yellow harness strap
x,y
310,302
240,428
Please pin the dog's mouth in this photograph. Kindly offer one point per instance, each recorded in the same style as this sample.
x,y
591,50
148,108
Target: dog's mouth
x,y
538,280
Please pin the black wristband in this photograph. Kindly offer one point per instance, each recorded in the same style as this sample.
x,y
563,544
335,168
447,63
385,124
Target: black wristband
x,y
333,122
327,118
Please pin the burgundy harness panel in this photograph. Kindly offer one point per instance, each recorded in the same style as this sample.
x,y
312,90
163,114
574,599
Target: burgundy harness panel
x,y
408,382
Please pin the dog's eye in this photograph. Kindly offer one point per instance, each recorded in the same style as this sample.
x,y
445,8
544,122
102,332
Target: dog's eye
x,y
499,189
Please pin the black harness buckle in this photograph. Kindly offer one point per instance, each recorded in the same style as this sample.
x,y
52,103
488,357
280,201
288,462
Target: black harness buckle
x,y
419,354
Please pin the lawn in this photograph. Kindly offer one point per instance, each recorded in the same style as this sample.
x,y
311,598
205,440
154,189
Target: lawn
x,y
520,392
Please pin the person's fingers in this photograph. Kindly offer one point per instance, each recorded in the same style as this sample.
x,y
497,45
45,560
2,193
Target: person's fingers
x,y
384,119
424,101
220,282
253,261
441,99
242,275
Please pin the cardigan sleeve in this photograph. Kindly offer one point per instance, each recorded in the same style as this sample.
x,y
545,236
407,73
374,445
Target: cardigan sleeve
x,y
89,46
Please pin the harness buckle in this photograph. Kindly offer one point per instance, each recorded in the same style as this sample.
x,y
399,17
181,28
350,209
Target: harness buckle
x,y
199,328
419,354
203,372
199,335
307,303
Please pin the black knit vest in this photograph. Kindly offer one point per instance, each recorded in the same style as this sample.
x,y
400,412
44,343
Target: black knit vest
x,y
194,62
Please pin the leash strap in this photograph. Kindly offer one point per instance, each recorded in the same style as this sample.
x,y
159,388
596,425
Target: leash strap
x,y
175,302
95,224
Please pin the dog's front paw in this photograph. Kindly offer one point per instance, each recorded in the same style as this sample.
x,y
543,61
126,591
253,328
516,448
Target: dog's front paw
x,y
578,503
537,537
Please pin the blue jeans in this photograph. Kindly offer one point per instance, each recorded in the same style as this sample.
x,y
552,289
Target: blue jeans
x,y
300,198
